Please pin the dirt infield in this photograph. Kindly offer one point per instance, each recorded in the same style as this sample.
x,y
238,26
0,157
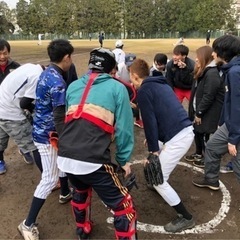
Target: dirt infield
x,y
216,212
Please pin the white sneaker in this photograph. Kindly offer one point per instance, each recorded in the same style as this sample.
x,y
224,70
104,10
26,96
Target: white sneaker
x,y
28,233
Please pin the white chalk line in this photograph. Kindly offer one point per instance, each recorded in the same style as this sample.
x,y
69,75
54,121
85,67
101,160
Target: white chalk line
x,y
208,227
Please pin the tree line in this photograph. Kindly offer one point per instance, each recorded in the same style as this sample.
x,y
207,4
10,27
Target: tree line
x,y
115,17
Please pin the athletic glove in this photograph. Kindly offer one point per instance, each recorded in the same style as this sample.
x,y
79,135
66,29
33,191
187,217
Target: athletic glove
x,y
129,181
153,171
53,139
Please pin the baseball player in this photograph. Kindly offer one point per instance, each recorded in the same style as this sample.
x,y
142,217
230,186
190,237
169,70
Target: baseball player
x,y
17,92
49,116
84,152
165,121
118,52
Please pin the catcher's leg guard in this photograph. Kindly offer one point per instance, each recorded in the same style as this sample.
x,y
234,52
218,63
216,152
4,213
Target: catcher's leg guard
x,y
125,220
81,206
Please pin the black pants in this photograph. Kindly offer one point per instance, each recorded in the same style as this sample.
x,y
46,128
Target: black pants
x,y
200,141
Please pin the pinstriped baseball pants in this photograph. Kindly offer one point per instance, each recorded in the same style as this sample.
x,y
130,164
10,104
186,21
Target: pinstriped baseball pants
x,y
50,173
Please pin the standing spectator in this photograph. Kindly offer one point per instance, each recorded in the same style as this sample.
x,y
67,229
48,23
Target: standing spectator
x,y
17,93
206,101
180,72
84,152
7,65
118,52
159,65
70,75
49,116
208,35
226,51
166,121
101,38
90,36
123,74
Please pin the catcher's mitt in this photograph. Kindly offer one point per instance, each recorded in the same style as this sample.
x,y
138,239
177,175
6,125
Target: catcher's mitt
x,y
153,171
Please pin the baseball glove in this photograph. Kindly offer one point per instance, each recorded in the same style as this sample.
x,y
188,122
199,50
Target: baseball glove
x,y
153,171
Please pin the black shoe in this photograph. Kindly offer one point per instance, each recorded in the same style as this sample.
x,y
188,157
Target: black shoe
x,y
200,163
82,235
203,182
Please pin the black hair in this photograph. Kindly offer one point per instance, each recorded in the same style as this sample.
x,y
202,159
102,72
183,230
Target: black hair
x,y
226,47
181,50
59,48
3,44
160,59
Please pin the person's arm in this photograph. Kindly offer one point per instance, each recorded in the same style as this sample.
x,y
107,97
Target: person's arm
x,y
234,118
145,100
27,103
59,116
124,134
170,74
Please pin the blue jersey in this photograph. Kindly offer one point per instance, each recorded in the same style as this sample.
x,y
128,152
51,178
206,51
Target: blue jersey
x,y
50,93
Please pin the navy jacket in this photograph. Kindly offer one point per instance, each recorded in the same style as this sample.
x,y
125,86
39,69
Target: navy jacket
x,y
231,106
162,114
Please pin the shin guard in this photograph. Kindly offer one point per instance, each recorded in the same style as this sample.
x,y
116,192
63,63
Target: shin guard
x,y
125,220
81,206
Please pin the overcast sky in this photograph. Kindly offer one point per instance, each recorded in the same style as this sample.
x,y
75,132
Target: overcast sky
x,y
11,3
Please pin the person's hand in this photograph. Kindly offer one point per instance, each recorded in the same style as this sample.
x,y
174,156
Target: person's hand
x,y
133,105
181,64
145,142
127,169
197,120
232,149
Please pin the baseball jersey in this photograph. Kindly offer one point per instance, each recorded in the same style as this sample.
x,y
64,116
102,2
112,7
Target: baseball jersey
x,y
119,55
50,93
19,83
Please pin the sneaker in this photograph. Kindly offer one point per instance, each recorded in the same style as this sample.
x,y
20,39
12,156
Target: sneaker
x,y
2,167
28,233
193,157
65,199
138,123
227,169
203,182
179,224
200,163
27,157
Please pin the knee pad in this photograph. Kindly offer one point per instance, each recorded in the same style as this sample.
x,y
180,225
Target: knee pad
x,y
125,219
81,206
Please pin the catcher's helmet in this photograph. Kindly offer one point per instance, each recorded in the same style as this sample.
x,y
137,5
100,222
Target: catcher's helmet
x,y
102,59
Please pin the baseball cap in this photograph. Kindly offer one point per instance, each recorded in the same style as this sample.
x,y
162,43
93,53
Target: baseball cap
x,y
102,59
129,58
119,43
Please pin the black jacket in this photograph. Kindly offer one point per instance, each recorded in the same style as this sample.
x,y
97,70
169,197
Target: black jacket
x,y
180,77
208,91
11,65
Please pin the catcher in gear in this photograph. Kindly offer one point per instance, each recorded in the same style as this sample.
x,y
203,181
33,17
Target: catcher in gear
x,y
84,154
165,124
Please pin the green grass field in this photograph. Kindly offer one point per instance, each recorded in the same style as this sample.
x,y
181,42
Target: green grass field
x,y
29,51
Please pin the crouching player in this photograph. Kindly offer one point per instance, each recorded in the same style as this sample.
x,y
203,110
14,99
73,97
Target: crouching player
x,y
97,105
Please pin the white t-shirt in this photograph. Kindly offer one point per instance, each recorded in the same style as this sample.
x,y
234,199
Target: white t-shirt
x,y
123,72
21,82
119,55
